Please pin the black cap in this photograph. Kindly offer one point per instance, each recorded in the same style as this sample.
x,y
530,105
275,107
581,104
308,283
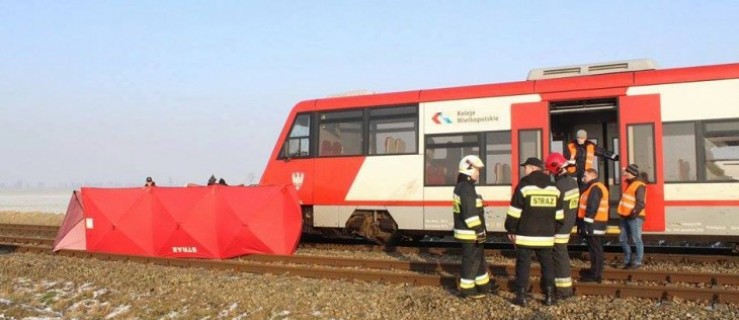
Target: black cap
x,y
148,179
533,162
633,169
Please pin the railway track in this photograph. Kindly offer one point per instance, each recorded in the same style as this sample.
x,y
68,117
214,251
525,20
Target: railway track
x,y
713,287
29,230
609,257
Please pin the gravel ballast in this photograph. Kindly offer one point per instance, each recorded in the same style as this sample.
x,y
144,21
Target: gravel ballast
x,y
55,287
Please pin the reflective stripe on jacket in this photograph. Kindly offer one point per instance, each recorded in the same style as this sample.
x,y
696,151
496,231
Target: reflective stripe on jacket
x,y
535,213
469,212
570,202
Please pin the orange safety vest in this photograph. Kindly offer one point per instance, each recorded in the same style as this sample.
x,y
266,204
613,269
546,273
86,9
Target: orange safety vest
x,y
602,214
628,200
589,156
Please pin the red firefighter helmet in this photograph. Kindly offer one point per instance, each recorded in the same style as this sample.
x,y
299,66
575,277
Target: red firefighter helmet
x,y
555,161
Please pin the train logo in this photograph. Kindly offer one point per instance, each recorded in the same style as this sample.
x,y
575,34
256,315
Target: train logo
x,y
439,118
298,179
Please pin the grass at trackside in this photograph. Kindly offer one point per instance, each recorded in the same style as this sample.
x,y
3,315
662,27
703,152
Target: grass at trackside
x,y
33,218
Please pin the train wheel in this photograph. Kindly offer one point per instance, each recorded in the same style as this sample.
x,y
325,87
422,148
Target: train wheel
x,y
377,226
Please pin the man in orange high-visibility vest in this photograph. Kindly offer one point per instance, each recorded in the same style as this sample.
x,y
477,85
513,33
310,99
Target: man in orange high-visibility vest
x,y
582,154
592,217
632,210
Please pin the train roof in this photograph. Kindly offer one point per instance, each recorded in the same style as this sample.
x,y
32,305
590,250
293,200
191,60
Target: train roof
x,y
619,76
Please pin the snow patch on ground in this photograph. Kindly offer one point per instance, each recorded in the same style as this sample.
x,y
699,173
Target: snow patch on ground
x,y
118,311
230,309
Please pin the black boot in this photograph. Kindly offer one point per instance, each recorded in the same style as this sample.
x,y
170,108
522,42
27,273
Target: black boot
x,y
520,298
549,296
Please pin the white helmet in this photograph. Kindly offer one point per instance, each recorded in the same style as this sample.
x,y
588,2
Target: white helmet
x,y
470,161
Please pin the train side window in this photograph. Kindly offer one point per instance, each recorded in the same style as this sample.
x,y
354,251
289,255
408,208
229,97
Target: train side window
x,y
640,147
679,152
443,154
529,145
297,144
498,158
721,144
393,130
341,133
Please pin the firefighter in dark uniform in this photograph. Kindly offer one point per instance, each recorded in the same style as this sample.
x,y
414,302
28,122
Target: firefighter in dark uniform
x,y
469,229
581,154
534,217
592,215
570,196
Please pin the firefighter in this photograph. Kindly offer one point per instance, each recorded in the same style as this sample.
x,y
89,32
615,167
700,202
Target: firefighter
x,y
631,208
569,195
534,217
582,154
592,217
469,229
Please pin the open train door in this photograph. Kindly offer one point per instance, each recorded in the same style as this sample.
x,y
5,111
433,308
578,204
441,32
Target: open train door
x,y
640,126
529,134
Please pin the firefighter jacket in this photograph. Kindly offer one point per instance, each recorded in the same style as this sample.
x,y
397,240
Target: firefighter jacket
x,y
633,201
535,214
570,195
593,209
584,156
469,212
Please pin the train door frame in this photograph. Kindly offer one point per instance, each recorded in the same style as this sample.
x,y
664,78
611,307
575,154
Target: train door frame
x,y
645,111
529,134
599,118
531,126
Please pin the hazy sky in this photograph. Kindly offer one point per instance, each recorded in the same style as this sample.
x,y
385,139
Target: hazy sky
x,y
100,92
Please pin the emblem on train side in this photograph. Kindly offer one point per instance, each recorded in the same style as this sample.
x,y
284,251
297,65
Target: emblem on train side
x,y
298,179
439,118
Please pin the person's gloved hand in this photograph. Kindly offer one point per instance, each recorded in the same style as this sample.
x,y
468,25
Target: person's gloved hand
x,y
570,163
615,158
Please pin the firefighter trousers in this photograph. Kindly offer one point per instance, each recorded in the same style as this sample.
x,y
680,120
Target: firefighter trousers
x,y
562,273
523,266
474,278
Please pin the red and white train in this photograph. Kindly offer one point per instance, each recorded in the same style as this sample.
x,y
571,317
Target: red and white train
x,y
382,164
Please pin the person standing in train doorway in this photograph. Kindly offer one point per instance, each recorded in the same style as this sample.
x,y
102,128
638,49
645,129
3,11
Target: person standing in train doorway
x,y
592,215
470,230
581,154
632,210
569,195
533,218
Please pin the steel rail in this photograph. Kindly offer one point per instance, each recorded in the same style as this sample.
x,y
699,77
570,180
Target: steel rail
x,y
27,240
609,257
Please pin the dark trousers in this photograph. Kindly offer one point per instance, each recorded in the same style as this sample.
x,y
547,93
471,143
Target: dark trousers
x,y
474,278
562,273
595,248
523,266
